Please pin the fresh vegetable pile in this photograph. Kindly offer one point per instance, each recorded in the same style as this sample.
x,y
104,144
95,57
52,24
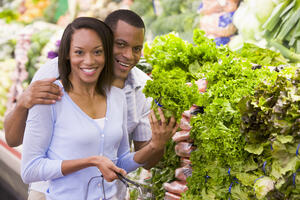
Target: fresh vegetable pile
x,y
174,62
224,164
164,16
220,160
6,70
283,29
271,24
38,41
271,126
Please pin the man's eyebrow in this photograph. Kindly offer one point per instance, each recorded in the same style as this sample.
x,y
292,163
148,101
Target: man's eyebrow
x,y
120,40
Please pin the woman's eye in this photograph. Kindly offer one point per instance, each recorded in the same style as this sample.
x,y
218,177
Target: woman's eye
x,y
98,52
78,52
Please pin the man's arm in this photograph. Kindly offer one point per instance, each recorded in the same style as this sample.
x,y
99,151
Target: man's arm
x,y
157,154
152,151
38,92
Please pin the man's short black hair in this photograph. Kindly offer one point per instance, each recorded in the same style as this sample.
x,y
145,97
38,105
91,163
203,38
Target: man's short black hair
x,y
127,16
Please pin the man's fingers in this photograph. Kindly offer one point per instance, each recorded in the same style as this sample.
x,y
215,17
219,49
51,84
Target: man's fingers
x,y
172,122
44,101
48,80
48,96
162,116
153,117
175,129
50,88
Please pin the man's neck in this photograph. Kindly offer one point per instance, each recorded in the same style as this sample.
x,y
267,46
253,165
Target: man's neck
x,y
119,83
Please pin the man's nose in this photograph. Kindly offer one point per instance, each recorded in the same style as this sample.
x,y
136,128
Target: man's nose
x,y
128,53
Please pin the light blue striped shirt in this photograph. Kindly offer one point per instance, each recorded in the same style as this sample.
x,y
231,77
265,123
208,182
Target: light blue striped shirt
x,y
62,131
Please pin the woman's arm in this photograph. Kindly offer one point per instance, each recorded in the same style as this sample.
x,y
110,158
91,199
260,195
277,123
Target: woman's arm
x,y
37,138
36,166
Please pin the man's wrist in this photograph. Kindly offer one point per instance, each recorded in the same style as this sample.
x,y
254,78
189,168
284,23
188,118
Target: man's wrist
x,y
21,107
156,146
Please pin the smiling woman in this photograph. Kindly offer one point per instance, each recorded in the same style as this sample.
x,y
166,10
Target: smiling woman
x,y
79,143
87,58
86,47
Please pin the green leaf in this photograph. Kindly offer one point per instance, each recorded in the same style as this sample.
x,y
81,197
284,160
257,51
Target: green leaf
x,y
285,139
254,148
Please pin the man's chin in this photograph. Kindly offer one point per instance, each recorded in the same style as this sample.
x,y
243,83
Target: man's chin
x,y
121,76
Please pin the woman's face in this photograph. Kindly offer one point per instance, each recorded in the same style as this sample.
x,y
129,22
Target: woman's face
x,y
86,56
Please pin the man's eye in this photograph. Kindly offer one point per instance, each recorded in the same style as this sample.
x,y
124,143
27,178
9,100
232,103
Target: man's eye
x,y
137,49
121,44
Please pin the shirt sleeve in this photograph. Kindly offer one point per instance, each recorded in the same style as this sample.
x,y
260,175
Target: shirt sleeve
x,y
125,157
47,70
142,131
37,138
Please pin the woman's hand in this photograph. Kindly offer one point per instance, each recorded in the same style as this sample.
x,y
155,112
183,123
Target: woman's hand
x,y
107,168
105,165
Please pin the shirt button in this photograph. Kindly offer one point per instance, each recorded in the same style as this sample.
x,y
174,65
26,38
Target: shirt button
x,y
99,185
102,135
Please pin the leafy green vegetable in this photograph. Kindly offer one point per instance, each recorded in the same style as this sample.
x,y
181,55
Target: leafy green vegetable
x,y
174,95
238,141
257,55
271,123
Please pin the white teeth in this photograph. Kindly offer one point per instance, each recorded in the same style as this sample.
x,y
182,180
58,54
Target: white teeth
x,y
126,65
88,70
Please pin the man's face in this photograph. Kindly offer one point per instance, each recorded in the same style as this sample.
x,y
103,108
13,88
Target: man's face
x,y
128,44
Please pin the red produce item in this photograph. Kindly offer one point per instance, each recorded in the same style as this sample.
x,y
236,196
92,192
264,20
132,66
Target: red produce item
x,y
185,162
184,149
171,196
188,113
202,85
183,173
176,187
185,123
181,136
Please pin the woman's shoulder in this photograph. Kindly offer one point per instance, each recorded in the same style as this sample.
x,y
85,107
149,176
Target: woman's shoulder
x,y
59,83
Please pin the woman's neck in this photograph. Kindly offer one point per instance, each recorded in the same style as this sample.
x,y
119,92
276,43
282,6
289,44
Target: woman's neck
x,y
80,88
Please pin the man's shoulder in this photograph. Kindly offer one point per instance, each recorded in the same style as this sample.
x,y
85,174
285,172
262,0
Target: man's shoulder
x,y
47,70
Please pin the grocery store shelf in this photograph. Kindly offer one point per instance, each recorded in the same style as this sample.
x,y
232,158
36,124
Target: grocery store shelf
x,y
10,165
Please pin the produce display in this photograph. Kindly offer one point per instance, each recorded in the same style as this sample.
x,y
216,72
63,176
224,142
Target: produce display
x,y
217,19
227,70
164,16
222,166
271,24
6,70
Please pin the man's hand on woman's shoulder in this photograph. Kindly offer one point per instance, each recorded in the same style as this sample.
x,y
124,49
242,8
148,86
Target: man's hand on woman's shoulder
x,y
40,92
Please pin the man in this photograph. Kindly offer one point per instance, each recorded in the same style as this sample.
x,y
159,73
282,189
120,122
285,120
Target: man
x,y
129,31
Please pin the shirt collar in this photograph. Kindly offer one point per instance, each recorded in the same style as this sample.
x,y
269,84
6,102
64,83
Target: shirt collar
x,y
132,81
